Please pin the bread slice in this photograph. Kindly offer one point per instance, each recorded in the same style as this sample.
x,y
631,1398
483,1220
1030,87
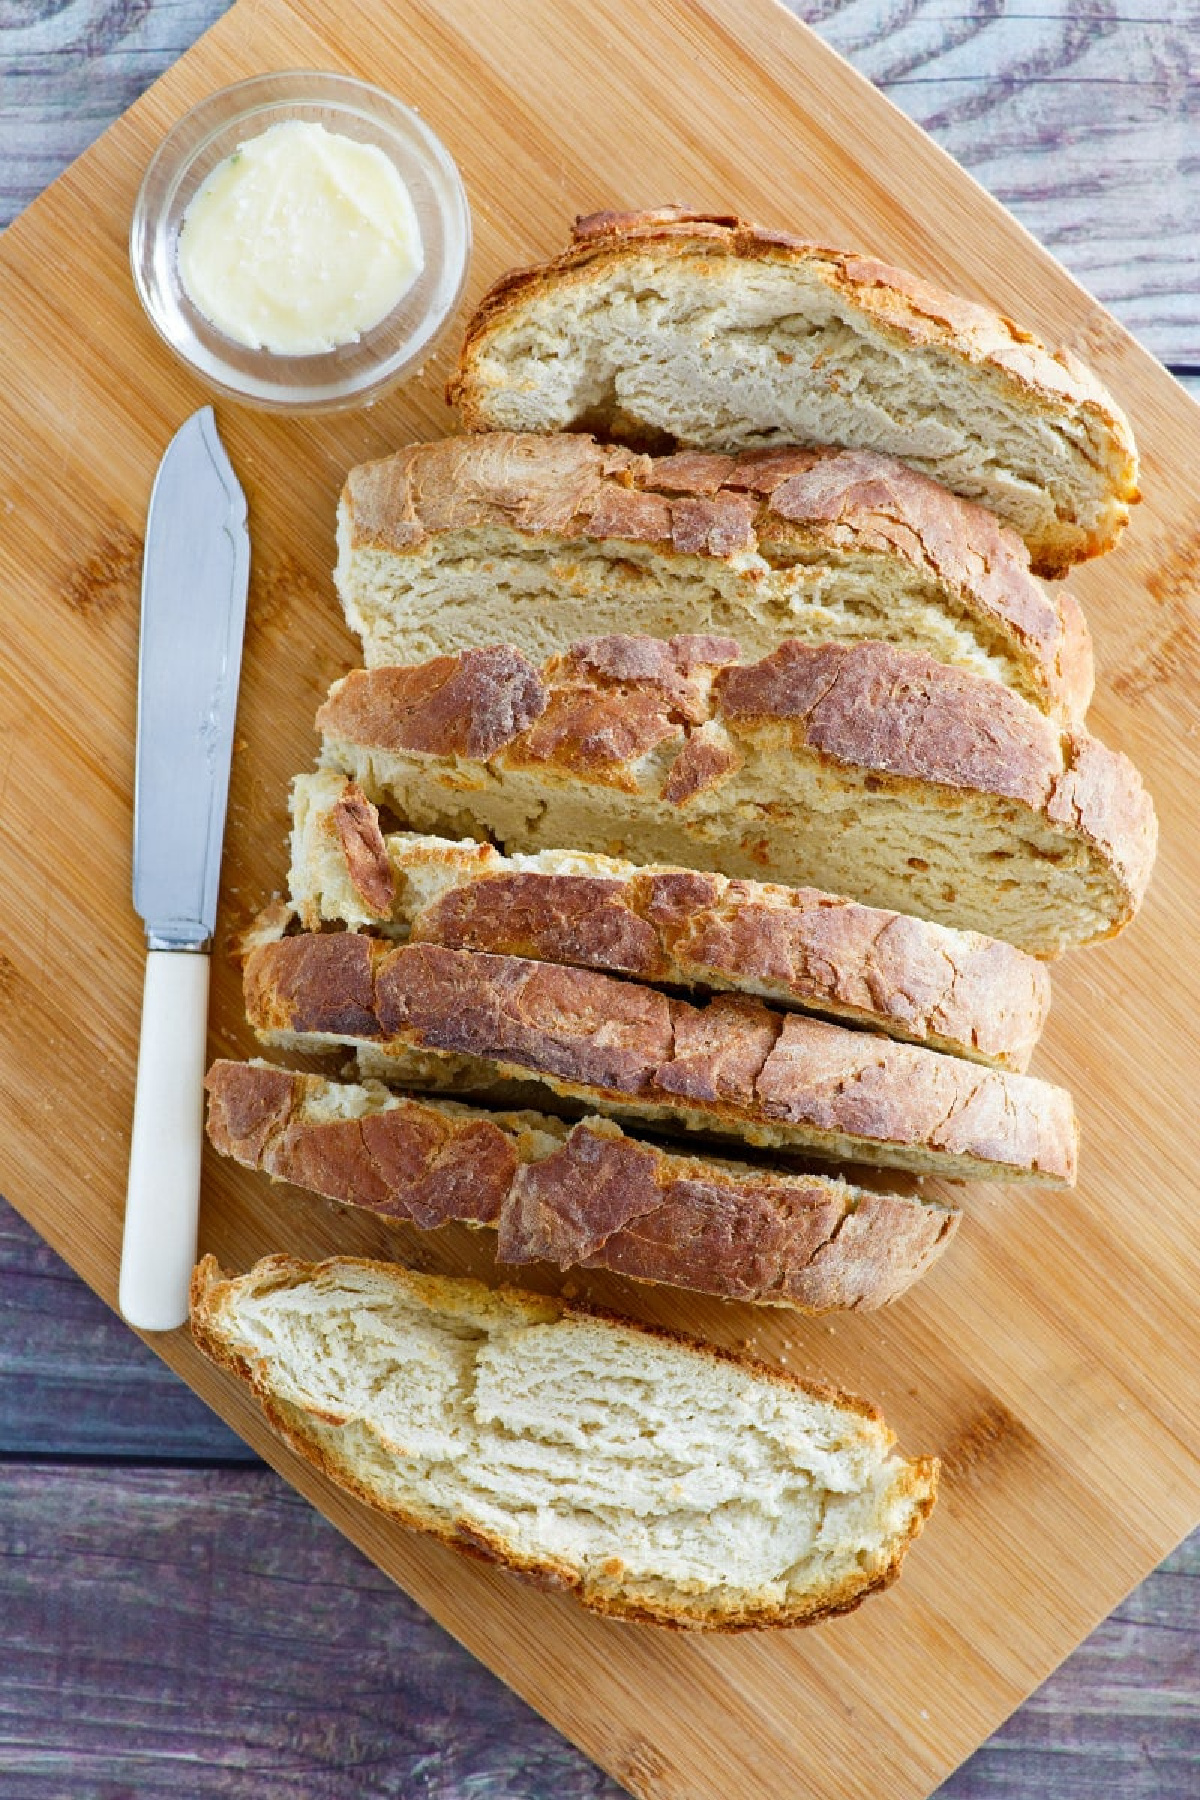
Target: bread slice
x,y
705,332
656,1478
952,990
732,1068
537,541
580,1195
859,769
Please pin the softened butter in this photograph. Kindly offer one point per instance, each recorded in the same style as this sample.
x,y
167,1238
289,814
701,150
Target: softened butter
x,y
300,241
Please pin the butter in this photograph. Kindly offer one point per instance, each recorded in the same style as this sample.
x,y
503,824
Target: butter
x,y
300,241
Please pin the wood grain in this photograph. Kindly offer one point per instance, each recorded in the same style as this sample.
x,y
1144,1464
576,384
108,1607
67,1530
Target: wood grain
x,y
75,1381
274,1660
1043,1378
181,1634
1120,1720
1081,115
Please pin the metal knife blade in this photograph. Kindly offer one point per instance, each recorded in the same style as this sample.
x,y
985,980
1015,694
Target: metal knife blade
x,y
194,580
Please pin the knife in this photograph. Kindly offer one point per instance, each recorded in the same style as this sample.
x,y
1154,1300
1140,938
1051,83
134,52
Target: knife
x,y
195,571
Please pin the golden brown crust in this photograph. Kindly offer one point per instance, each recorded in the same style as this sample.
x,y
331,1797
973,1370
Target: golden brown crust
x,y
368,865
899,712
957,991
913,311
249,1105
586,920
874,965
466,705
605,1204
591,1197
330,978
735,1062
897,715
410,1162
294,978
312,1438
600,732
706,758
1099,793
787,504
575,1023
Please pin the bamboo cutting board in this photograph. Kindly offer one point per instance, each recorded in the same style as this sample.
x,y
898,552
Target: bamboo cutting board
x,y
1052,1357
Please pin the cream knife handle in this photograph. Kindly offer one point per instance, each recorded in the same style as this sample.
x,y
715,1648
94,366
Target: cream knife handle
x,y
163,1201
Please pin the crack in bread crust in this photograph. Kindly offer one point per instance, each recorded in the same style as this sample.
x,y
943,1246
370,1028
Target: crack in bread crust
x,y
583,1195
719,335
860,769
733,1066
542,534
956,991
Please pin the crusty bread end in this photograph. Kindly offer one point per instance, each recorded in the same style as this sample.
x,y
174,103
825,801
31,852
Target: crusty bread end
x,y
657,1479
674,328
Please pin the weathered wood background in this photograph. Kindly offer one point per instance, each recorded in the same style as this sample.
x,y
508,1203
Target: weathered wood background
x,y
173,1619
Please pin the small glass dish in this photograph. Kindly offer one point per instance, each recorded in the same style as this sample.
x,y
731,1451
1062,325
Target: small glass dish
x,y
354,374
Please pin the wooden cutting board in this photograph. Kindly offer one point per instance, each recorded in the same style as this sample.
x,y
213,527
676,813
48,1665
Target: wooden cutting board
x,y
1052,1358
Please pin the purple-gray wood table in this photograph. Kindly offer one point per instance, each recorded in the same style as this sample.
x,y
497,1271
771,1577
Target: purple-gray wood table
x,y
174,1620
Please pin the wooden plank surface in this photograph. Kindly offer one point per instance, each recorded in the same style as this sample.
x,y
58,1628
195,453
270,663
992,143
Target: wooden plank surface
x,y
1120,1720
318,1678
277,1661
75,1381
97,576
1080,115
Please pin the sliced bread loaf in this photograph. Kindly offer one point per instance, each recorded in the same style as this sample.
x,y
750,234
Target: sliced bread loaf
x,y
580,1195
656,1478
537,541
953,990
733,1068
706,332
859,769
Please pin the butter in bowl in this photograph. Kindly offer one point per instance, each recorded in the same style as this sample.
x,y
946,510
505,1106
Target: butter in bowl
x,y
300,239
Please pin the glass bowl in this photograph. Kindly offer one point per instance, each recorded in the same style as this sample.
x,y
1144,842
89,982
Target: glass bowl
x,y
354,374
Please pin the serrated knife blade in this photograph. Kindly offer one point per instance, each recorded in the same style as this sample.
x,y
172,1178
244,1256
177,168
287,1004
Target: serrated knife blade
x,y
195,575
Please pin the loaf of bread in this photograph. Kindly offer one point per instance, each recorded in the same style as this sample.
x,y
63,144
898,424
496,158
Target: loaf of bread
x,y
656,1478
583,1195
734,1067
536,541
856,768
952,990
705,332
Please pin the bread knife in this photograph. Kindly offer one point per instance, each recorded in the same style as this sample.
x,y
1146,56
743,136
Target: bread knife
x,y
195,571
